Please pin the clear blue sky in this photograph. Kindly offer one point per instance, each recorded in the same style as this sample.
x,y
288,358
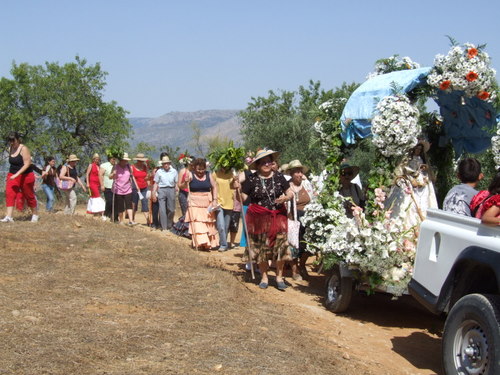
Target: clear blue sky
x,y
184,55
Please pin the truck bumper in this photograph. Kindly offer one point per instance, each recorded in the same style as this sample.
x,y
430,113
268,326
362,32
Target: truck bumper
x,y
423,296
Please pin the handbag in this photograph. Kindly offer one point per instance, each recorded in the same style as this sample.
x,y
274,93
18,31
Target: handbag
x,y
293,228
64,184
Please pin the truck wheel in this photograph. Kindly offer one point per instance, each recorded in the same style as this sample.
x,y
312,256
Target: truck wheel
x,y
338,291
471,336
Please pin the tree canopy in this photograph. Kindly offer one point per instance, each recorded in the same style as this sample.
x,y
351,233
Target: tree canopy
x,y
284,122
59,109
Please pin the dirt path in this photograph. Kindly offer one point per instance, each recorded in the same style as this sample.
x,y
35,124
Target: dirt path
x,y
396,337
392,337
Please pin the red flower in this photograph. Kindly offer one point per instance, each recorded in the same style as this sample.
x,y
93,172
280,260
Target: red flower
x,y
471,76
445,85
181,156
471,53
483,95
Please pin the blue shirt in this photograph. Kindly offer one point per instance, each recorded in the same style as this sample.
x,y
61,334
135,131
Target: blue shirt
x,y
166,178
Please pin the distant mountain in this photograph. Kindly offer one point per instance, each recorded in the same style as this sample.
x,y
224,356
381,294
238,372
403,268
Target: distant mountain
x,y
174,128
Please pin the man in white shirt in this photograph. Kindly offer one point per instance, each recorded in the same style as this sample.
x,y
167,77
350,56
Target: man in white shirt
x,y
165,184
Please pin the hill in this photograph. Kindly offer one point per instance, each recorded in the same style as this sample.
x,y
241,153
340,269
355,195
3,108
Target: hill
x,y
175,128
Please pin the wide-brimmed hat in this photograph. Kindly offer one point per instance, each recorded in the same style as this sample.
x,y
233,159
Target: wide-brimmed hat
x,y
425,144
262,154
140,157
165,160
346,168
283,168
125,156
296,164
72,157
95,156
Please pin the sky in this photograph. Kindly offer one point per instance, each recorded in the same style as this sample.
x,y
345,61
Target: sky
x,y
187,55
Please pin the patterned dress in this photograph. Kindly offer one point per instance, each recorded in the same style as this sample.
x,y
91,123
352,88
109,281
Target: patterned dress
x,y
267,221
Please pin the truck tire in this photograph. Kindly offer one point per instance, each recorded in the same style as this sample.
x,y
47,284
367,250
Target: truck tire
x,y
338,291
471,336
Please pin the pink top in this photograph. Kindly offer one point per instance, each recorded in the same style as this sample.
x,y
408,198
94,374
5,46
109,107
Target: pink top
x,y
122,185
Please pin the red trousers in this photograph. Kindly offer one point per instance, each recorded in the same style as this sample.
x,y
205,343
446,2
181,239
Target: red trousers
x,y
19,189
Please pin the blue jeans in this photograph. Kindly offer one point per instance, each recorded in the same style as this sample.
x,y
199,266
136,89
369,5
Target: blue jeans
x,y
223,219
49,192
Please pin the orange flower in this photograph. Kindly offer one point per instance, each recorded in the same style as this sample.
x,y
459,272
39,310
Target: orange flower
x,y
445,85
471,76
483,95
471,53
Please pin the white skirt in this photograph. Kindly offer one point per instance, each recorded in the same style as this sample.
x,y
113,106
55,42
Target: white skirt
x,y
96,205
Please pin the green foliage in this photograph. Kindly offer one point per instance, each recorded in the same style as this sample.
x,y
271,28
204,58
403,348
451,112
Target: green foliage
x,y
284,122
114,151
217,142
228,158
60,110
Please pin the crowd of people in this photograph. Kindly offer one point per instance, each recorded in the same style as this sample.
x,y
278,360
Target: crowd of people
x,y
268,200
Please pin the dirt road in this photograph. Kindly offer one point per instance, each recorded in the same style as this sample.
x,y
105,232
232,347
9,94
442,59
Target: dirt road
x,y
391,336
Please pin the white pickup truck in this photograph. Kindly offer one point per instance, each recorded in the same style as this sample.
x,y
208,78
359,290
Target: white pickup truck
x,y
457,271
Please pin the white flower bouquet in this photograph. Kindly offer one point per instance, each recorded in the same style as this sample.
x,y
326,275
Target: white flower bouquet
x,y
395,128
392,64
465,68
495,147
382,250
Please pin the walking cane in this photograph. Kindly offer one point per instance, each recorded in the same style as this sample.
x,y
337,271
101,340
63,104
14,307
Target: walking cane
x,y
193,234
113,201
250,252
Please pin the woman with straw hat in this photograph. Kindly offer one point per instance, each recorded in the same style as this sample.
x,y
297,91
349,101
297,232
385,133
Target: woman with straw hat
x,y
96,204
302,192
122,188
266,216
68,172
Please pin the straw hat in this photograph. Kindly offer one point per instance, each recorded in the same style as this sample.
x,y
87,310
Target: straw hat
x,y
295,164
425,144
165,160
95,156
73,157
262,154
283,168
125,157
140,157
159,165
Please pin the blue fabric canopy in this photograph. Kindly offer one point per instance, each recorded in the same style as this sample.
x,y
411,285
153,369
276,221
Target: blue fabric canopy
x,y
359,109
468,122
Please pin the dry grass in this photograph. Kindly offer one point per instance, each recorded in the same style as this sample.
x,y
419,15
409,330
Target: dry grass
x,y
78,296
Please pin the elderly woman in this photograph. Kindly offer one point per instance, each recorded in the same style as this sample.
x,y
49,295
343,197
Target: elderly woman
x,y
122,188
201,203
69,173
20,182
266,216
96,204
302,195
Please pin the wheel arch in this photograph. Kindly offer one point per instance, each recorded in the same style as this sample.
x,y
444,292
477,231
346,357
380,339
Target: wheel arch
x,y
476,270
